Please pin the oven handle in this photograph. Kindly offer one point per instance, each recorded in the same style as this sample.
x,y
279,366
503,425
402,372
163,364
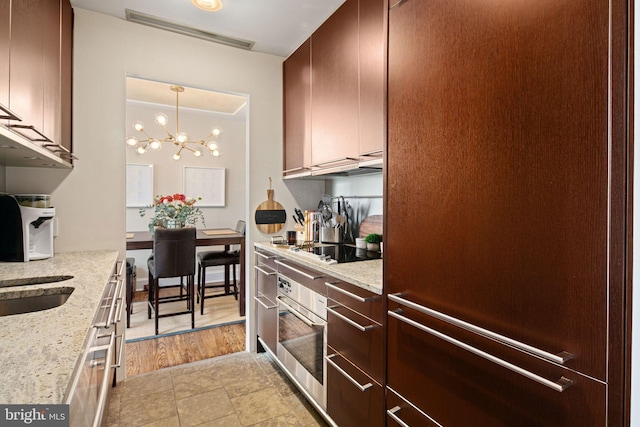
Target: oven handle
x,y
298,271
299,315
362,388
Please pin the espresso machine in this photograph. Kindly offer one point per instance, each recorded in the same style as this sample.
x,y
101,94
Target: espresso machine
x,y
26,228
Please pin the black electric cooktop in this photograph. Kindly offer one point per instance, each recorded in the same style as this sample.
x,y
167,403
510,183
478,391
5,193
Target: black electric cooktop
x,y
343,253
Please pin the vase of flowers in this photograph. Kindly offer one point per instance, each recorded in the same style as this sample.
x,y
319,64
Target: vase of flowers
x,y
175,211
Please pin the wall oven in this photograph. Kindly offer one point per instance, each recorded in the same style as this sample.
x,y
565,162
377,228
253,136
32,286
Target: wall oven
x,y
302,336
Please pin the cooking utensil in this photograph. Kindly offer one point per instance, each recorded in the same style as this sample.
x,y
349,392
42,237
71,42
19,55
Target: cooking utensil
x,y
300,216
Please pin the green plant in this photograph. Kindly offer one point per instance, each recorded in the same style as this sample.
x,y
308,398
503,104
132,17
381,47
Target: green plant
x,y
373,238
178,207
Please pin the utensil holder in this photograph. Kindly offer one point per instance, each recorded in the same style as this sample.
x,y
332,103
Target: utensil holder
x,y
331,235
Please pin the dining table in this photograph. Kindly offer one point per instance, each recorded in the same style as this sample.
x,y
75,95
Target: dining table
x,y
204,237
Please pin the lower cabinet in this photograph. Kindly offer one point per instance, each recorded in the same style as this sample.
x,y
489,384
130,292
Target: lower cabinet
x,y
353,397
355,356
266,306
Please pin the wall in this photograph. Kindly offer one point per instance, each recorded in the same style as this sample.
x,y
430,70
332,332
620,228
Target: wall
x,y
90,201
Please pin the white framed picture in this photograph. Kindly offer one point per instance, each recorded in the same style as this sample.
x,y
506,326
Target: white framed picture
x,y
139,185
206,183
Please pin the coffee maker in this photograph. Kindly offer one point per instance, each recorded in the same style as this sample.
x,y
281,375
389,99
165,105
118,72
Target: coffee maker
x,y
26,232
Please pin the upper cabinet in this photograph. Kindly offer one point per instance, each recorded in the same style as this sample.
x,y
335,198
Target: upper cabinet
x,y
38,82
334,88
5,35
335,93
297,111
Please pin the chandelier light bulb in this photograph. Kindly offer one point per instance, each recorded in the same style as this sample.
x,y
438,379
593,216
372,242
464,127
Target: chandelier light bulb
x,y
215,153
161,119
212,146
141,150
155,144
132,141
176,156
182,137
197,152
139,126
208,5
215,131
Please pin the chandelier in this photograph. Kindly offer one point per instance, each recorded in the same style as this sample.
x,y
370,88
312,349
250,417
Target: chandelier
x,y
179,139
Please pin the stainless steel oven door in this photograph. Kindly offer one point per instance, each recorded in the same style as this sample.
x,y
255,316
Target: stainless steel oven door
x,y
302,337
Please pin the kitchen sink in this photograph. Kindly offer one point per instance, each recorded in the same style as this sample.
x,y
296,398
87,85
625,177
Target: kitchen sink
x,y
27,302
33,280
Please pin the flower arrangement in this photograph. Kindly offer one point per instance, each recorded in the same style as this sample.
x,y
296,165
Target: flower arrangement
x,y
176,210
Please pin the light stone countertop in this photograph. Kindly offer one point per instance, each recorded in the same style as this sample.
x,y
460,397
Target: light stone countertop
x,y
365,274
39,350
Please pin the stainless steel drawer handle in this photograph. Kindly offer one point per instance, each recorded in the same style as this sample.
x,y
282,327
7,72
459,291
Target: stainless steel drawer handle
x,y
298,315
362,388
561,385
560,358
268,307
298,271
111,318
351,322
350,294
266,273
392,413
104,388
260,254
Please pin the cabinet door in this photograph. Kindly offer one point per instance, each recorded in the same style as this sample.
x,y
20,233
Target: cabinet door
x,y
267,321
5,35
372,26
297,110
52,113
353,399
26,65
457,387
498,181
334,87
66,76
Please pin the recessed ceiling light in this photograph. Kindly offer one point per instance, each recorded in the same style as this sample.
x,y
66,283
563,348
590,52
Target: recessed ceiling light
x,y
10,147
208,5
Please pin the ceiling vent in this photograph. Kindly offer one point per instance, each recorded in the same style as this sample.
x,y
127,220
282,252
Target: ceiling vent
x,y
154,21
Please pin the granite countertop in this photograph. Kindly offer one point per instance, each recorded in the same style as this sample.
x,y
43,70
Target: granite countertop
x,y
365,274
39,350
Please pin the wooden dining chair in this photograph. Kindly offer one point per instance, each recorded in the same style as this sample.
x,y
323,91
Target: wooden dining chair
x,y
174,254
226,258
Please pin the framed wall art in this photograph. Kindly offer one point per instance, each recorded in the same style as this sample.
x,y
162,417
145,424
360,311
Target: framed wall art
x,y
207,183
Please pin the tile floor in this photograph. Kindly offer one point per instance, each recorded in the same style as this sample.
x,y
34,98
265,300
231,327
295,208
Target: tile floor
x,y
240,389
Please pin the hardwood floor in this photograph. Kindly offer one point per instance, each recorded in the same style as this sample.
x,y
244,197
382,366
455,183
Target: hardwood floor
x,y
158,353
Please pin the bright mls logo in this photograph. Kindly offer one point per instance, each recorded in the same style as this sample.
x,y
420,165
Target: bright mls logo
x,y
34,415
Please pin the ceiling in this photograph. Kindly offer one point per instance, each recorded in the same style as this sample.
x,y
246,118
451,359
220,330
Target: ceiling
x,y
276,27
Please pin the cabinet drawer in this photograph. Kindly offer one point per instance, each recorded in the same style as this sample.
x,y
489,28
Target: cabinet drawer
x,y
364,302
457,386
267,321
306,276
353,399
356,337
266,281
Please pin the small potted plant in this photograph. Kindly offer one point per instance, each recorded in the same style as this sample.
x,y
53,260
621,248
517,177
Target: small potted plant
x,y
373,242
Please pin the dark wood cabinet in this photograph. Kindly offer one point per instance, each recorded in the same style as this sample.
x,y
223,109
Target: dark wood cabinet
x,y
372,57
297,111
356,355
506,199
353,398
39,71
334,88
5,46
28,19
